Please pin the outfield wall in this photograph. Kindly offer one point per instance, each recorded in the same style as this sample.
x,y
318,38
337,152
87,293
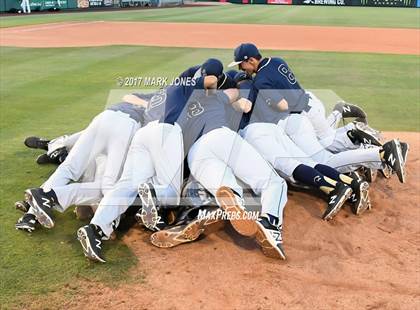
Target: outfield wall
x,y
371,3
13,6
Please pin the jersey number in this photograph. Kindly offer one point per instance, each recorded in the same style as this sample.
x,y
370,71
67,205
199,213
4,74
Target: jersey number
x,y
284,70
195,108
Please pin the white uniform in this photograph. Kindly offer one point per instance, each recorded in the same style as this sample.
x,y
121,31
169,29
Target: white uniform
x,y
300,130
155,154
25,6
276,147
109,133
333,139
67,141
220,155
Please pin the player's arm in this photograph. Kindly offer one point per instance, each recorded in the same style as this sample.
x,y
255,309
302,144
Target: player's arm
x,y
133,99
272,97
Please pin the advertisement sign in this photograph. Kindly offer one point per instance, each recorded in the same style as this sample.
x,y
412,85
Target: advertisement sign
x,y
394,3
279,1
322,2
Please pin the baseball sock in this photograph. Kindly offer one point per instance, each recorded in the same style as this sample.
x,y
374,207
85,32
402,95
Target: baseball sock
x,y
310,176
334,174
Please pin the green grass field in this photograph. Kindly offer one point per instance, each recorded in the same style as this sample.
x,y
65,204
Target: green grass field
x,y
239,14
49,92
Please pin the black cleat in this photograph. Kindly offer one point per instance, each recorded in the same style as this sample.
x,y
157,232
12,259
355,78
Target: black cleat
x,y
148,214
394,159
405,147
22,205
359,199
269,237
37,143
56,157
350,110
337,198
365,134
371,174
90,237
27,222
42,205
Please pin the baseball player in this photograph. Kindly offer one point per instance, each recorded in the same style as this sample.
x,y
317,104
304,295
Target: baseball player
x,y
218,155
154,161
281,100
98,138
25,6
292,163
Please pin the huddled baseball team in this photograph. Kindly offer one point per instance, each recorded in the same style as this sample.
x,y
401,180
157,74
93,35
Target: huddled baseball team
x,y
164,157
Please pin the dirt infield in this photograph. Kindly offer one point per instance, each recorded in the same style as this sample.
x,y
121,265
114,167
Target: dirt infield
x,y
305,38
366,262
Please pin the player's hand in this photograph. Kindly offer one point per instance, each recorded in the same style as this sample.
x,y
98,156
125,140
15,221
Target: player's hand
x,y
135,100
245,105
210,82
283,105
232,93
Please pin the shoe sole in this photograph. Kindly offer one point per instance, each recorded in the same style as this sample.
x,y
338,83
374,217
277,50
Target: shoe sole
x,y
339,205
27,228
225,198
364,201
42,217
182,234
87,248
149,213
173,237
268,244
400,169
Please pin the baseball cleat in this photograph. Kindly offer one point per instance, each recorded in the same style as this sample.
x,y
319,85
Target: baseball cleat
x,y
36,143
26,222
405,147
365,134
174,236
90,237
56,157
22,205
386,171
148,215
42,206
394,159
337,198
359,199
269,237
370,174
233,205
350,110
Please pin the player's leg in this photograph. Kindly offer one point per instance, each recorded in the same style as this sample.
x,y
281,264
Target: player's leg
x,y
251,168
281,152
89,145
118,143
67,141
138,168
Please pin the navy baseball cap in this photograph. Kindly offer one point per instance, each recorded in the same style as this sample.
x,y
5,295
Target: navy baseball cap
x,y
212,66
244,52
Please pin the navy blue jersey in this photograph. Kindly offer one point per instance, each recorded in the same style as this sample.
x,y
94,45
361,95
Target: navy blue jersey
x,y
190,72
176,98
134,111
202,114
273,82
156,106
